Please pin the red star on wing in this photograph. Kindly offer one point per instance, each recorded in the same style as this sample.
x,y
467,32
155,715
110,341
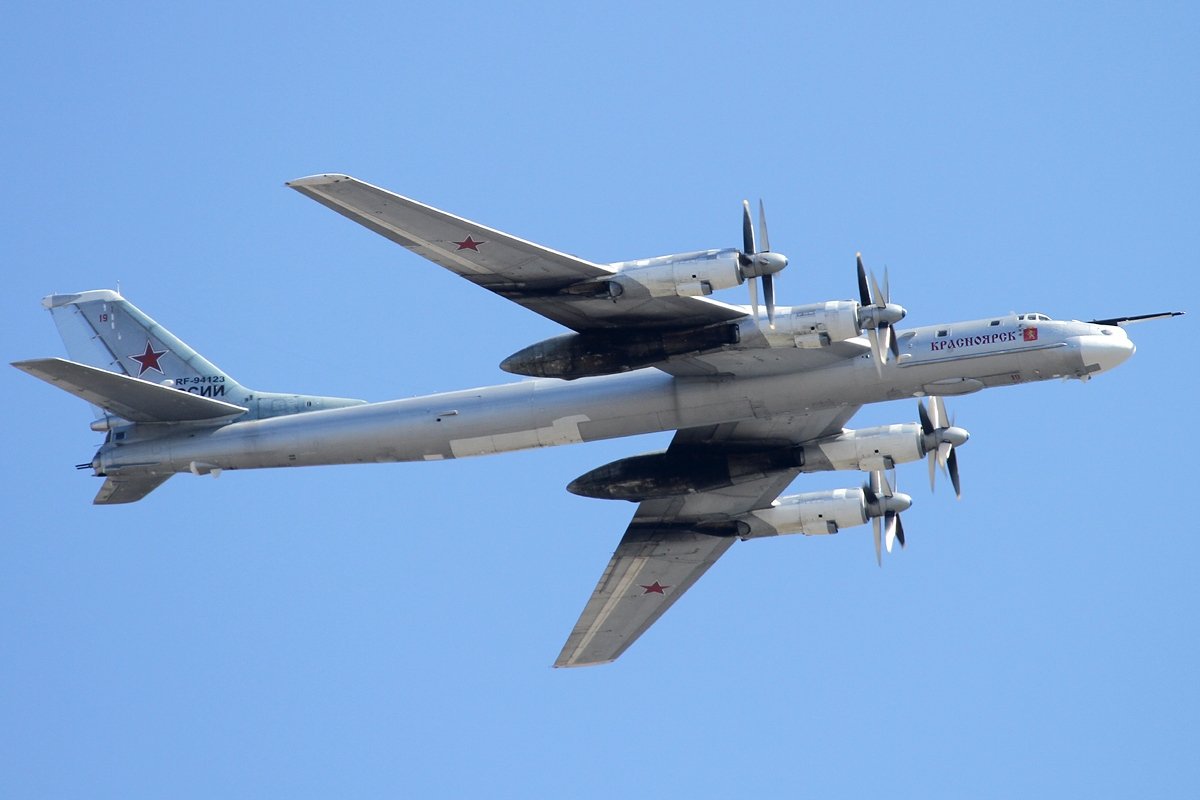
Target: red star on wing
x,y
149,359
654,588
469,244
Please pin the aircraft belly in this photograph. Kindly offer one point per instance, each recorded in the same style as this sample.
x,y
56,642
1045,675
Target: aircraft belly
x,y
564,430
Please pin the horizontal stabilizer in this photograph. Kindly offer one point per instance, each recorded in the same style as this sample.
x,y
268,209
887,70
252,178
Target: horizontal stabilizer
x,y
129,398
119,489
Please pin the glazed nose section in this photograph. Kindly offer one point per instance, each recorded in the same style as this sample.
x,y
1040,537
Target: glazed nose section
x,y
1103,351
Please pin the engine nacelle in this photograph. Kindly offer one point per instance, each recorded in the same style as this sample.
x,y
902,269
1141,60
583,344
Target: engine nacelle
x,y
815,513
605,352
682,471
683,275
815,325
867,449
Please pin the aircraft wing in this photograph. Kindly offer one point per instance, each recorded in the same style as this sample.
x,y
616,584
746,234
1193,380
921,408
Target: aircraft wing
x,y
671,542
526,273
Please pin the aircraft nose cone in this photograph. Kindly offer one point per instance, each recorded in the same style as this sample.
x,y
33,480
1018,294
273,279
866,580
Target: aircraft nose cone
x,y
1105,350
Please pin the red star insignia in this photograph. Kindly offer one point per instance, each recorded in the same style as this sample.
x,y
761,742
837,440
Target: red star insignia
x,y
1031,334
149,359
654,588
469,244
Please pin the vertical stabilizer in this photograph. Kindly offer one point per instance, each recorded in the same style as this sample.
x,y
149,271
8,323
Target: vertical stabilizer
x,y
102,329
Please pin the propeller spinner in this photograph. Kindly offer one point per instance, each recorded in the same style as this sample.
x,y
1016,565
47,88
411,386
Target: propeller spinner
x,y
757,263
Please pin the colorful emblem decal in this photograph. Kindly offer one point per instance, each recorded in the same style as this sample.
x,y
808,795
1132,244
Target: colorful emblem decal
x,y
1031,334
469,244
654,588
149,359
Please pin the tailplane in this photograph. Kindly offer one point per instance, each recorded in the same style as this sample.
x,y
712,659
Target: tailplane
x,y
128,398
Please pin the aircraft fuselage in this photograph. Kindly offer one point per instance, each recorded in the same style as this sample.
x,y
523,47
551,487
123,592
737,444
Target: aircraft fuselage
x,y
943,359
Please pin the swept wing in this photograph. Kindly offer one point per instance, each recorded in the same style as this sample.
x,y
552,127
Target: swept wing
x,y
526,273
671,542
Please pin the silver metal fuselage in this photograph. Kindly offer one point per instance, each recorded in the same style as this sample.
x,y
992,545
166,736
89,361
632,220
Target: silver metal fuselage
x,y
949,359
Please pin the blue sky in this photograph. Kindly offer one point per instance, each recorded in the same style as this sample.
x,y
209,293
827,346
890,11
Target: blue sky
x,y
387,630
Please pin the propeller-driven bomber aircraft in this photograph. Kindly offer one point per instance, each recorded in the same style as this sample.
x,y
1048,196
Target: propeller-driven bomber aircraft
x,y
754,399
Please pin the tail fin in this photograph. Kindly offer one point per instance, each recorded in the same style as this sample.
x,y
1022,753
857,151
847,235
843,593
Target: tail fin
x,y
102,329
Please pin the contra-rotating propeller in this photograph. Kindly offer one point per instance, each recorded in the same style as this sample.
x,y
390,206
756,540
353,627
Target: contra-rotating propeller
x,y
878,315
942,440
755,263
884,506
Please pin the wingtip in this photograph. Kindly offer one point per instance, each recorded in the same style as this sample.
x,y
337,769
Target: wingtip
x,y
578,664
317,180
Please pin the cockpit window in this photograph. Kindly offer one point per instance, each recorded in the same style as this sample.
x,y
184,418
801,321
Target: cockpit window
x,y
1034,317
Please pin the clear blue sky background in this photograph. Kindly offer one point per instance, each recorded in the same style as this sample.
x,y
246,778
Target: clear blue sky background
x,y
387,630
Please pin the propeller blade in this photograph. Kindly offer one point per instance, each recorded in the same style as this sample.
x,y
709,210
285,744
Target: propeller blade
x,y
870,494
768,281
952,463
899,531
747,230
878,550
893,342
754,297
932,469
762,226
943,453
889,523
939,408
926,423
864,292
880,298
876,350
887,288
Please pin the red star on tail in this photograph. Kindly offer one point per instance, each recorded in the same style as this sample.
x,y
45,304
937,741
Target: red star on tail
x,y
654,588
149,359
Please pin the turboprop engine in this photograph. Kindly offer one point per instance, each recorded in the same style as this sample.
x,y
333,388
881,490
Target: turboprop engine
x,y
683,275
866,449
819,513
699,273
815,325
883,447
